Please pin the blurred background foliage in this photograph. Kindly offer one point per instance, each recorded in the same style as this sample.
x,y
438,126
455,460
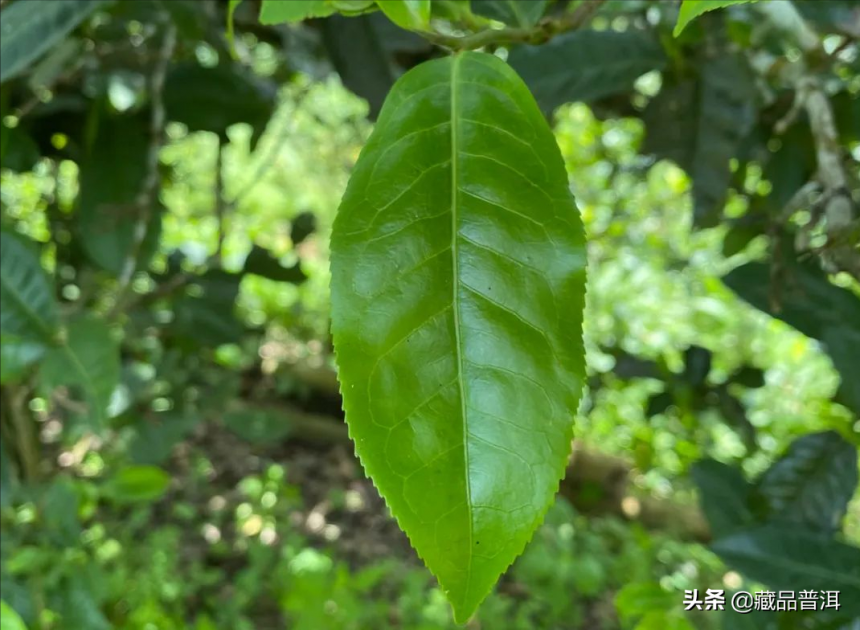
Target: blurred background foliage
x,y
173,454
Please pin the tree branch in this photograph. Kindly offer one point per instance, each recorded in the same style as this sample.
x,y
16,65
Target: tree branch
x,y
542,32
220,202
840,253
146,197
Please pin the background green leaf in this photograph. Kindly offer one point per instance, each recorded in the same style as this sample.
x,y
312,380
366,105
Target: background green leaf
x,y
88,360
701,125
16,356
29,310
258,426
233,96
813,305
725,496
524,13
262,263
586,65
408,14
813,482
157,436
278,11
136,484
691,9
641,598
9,619
112,177
355,47
29,29
205,314
791,559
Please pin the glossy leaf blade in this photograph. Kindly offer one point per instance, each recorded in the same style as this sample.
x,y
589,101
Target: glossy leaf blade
x,y
9,619
278,11
137,484
29,310
458,282
408,14
232,95
691,9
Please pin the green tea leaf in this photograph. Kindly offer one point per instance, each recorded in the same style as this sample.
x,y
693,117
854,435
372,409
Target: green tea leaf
x,y
353,7
691,9
112,177
525,13
725,496
135,484
232,96
302,227
819,309
59,506
701,126
89,360
813,482
258,426
795,560
18,151
697,365
409,14
74,599
9,619
29,29
458,282
29,310
206,317
586,65
156,437
16,356
279,11
262,263
355,48
640,598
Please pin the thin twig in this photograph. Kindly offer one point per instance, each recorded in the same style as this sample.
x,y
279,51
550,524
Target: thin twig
x,y
220,202
146,197
269,157
542,32
837,206
27,446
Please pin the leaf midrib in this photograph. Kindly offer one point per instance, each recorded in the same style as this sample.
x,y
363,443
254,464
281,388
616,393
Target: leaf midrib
x,y
455,190
19,299
46,333
86,382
